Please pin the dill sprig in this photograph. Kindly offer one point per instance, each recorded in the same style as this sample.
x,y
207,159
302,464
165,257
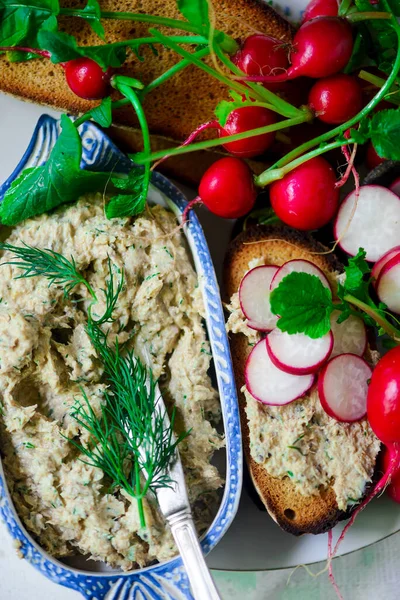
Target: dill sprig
x,y
132,440
47,263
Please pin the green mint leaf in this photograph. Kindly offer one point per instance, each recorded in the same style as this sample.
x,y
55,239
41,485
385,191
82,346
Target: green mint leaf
x,y
59,180
63,47
132,199
102,114
92,13
385,133
304,305
362,134
20,21
195,11
355,271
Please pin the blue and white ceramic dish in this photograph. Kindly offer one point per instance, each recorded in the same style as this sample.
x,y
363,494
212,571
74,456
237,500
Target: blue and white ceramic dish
x,y
167,580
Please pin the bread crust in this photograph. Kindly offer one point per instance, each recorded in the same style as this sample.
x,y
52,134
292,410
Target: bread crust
x,y
294,512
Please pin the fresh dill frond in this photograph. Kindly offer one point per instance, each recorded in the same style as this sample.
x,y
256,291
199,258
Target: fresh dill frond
x,y
47,263
111,294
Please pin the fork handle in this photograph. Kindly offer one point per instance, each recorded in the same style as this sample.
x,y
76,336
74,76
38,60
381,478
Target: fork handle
x,y
201,582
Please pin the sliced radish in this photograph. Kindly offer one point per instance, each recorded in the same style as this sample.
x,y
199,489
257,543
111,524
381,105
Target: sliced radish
x,y
298,266
395,186
349,337
268,384
254,294
375,224
298,354
388,288
378,266
343,387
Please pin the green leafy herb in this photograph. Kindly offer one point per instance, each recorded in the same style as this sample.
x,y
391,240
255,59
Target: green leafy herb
x,y
63,47
46,263
133,199
92,13
195,11
384,131
60,180
304,305
102,114
20,21
225,107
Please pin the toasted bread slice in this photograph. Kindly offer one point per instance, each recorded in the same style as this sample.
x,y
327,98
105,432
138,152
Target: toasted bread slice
x,y
174,109
294,512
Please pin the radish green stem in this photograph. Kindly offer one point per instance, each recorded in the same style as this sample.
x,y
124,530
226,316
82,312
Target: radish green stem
x,y
364,16
344,6
243,89
284,108
342,128
269,176
43,53
140,159
179,39
382,322
227,43
379,82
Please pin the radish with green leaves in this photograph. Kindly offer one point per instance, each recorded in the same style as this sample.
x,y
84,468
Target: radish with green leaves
x,y
270,385
245,119
336,99
306,198
321,47
262,55
370,221
320,8
87,79
254,291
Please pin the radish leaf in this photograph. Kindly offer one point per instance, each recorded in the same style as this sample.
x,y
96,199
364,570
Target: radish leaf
x,y
92,13
303,304
133,199
195,11
102,114
20,21
385,133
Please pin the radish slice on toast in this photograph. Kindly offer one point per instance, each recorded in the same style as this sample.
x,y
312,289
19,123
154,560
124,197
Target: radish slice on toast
x,y
388,287
378,266
349,337
298,266
375,224
343,387
268,384
298,354
254,294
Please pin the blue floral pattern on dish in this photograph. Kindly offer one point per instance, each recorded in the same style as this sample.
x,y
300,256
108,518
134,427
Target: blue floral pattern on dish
x,y
166,581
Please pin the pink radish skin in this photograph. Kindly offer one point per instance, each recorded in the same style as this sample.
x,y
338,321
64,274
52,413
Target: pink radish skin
x,y
321,47
343,387
388,286
395,187
349,337
378,266
375,225
254,294
320,8
299,266
268,384
298,354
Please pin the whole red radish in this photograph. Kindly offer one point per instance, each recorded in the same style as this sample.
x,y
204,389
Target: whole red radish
x,y
244,119
87,79
373,159
321,47
262,55
336,99
227,188
306,198
393,489
383,404
320,8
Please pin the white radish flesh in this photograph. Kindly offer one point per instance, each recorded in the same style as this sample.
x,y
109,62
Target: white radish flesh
x,y
388,288
343,387
268,384
378,266
350,336
298,266
375,224
254,294
298,354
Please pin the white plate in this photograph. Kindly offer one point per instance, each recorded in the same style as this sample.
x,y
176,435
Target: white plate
x,y
254,541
